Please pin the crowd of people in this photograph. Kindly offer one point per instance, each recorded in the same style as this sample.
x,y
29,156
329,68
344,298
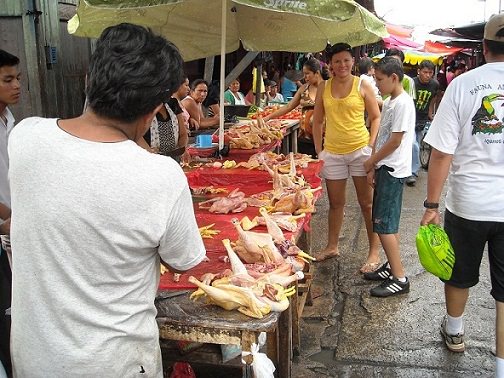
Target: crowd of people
x,y
93,214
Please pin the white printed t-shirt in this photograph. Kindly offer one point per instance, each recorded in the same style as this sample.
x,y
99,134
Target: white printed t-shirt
x,y
469,125
398,115
90,221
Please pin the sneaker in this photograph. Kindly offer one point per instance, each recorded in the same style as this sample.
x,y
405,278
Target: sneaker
x,y
380,274
411,180
390,286
455,343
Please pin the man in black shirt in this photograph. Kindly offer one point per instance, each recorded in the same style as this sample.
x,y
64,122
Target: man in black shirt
x,y
426,88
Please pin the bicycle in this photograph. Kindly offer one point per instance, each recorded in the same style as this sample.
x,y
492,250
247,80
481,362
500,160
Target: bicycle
x,y
425,148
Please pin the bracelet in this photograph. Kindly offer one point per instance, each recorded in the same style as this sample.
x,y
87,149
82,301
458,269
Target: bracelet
x,y
431,205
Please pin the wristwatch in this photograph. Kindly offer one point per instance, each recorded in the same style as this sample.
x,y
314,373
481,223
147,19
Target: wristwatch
x,y
430,205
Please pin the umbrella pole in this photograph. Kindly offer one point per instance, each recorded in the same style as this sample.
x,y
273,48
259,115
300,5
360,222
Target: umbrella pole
x,y
222,75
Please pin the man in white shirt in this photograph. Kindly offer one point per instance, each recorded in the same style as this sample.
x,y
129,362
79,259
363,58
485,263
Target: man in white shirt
x,y
93,215
10,90
467,136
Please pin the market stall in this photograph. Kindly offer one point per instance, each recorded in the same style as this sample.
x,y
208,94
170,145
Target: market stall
x,y
181,319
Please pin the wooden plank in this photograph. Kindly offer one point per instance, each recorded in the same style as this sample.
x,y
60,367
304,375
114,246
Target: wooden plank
x,y
199,334
296,328
238,69
285,343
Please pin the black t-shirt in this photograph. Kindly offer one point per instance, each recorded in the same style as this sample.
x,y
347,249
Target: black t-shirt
x,y
424,95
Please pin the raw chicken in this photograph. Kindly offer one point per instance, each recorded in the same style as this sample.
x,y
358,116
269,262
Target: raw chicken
x,y
231,297
256,244
235,202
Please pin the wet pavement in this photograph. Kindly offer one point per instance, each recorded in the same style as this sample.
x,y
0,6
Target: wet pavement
x,y
347,333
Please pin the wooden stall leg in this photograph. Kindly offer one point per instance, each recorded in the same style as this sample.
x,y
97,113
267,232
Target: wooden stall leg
x,y
294,141
272,347
296,329
247,339
285,343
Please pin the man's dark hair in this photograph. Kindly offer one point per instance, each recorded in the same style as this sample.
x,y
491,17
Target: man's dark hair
x,y
197,82
131,72
427,64
365,64
395,52
496,47
389,65
337,48
7,59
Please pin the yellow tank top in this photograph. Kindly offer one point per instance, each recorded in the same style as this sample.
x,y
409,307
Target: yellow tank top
x,y
345,126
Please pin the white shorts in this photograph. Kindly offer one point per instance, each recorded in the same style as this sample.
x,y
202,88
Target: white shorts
x,y
340,167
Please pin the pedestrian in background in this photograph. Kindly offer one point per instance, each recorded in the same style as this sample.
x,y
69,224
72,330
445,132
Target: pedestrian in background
x,y
467,139
10,91
93,215
426,91
387,169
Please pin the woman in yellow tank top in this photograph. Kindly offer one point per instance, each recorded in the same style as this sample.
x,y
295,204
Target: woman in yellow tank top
x,y
341,102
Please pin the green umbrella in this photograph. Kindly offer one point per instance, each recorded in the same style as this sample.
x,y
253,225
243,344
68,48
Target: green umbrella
x,y
194,26
202,28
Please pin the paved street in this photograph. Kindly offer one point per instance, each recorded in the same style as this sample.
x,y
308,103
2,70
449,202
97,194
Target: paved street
x,y
347,333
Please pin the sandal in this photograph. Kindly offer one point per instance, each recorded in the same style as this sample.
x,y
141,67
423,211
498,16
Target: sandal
x,y
369,267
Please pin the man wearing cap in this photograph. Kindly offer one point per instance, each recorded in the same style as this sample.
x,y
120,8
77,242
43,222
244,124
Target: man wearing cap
x,y
467,136
272,93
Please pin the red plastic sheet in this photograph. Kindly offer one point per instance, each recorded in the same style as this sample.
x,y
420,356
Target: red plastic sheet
x,y
249,181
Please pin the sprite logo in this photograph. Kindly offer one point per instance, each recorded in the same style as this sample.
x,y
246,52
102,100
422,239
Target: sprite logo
x,y
285,4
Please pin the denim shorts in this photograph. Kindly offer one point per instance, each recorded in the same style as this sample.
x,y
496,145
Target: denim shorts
x,y
468,239
387,201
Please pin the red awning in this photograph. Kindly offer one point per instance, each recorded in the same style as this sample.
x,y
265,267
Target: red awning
x,y
440,48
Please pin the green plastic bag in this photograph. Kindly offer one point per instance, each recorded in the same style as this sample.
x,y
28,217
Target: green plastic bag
x,y
435,251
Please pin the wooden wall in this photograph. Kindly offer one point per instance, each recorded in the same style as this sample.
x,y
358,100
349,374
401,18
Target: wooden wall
x,y
27,29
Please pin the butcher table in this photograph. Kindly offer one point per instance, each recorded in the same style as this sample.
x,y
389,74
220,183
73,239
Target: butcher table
x,y
179,318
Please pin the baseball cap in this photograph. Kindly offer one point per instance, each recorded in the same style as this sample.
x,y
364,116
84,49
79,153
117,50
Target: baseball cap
x,y
270,83
493,28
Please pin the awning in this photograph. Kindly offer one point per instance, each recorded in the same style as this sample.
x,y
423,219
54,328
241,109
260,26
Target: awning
x,y
440,48
399,31
399,42
414,57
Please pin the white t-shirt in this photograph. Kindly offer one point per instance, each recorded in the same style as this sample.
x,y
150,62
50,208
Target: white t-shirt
x,y
90,221
469,125
5,129
398,115
372,82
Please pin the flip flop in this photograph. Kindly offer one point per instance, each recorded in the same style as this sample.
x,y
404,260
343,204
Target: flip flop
x,y
326,256
370,267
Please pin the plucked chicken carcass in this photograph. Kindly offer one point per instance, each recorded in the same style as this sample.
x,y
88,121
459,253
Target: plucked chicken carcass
x,y
235,202
254,246
301,201
231,297
285,221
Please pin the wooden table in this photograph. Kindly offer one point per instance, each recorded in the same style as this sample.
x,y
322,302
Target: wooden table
x,y
179,318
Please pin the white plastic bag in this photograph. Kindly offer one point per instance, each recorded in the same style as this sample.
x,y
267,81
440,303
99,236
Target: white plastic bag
x,y
262,366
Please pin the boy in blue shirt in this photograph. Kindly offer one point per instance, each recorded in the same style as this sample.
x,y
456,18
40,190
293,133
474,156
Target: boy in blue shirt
x,y
387,169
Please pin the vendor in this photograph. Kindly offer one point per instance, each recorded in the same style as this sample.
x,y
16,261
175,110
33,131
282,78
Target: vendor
x,y
193,105
233,96
305,96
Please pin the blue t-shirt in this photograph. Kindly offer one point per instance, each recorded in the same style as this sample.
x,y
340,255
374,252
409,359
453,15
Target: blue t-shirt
x,y
289,88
